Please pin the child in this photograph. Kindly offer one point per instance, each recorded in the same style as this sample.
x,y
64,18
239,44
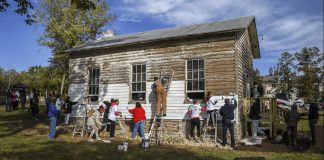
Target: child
x,y
139,119
113,112
52,111
292,118
195,110
210,103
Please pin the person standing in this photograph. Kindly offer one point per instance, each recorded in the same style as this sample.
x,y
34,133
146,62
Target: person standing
x,y
211,102
254,115
47,102
34,105
8,101
195,110
68,109
139,119
94,123
112,116
23,98
227,113
58,105
52,111
160,96
292,117
312,119
14,100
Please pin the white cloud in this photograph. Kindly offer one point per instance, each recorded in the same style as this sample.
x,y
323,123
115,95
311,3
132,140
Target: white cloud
x,y
129,18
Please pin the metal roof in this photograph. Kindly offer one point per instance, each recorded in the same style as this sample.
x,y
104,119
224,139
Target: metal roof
x,y
167,33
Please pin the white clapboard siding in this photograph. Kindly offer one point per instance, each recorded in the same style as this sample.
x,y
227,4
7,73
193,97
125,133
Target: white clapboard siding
x,y
77,91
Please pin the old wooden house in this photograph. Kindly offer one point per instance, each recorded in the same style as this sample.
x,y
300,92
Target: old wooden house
x,y
215,57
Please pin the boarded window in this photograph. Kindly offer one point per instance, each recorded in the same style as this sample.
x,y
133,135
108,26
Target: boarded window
x,y
94,75
138,82
195,80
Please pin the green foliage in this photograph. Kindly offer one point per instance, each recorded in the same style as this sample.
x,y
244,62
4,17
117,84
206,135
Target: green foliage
x,y
257,79
310,63
286,73
23,6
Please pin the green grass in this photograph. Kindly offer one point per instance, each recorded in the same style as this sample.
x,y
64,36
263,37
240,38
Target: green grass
x,y
24,138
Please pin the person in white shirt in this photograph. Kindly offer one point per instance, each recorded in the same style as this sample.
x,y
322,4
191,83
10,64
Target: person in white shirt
x,y
195,110
94,123
211,102
113,113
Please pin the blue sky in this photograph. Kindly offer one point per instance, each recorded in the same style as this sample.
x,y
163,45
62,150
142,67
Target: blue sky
x,y
283,25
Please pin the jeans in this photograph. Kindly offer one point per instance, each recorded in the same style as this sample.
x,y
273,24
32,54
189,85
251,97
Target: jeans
x,y
112,128
228,124
256,129
51,134
312,123
292,135
141,125
211,115
195,122
66,118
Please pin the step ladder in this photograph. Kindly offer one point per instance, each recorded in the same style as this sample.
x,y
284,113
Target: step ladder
x,y
155,132
210,132
80,122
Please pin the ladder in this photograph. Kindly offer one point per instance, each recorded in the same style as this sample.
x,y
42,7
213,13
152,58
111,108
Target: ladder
x,y
80,122
210,132
155,132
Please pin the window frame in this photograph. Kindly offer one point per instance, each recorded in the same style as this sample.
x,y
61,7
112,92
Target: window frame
x,y
187,99
92,82
131,100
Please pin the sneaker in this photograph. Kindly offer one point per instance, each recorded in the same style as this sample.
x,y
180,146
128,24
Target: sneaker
x,y
90,140
164,115
98,139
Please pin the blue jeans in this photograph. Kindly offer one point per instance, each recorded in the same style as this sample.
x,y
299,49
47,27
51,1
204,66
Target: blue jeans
x,y
141,125
228,124
256,129
51,133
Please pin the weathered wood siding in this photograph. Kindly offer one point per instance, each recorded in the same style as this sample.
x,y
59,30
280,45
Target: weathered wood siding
x,y
244,62
115,71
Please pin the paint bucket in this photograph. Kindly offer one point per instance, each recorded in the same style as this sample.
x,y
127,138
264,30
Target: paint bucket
x,y
146,141
125,144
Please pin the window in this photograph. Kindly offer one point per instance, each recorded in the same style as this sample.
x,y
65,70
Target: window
x,y
138,82
94,75
195,80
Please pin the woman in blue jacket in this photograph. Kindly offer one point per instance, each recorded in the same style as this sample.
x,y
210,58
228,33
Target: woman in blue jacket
x,y
52,112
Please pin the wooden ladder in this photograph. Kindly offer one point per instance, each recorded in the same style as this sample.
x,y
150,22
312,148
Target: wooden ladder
x,y
155,132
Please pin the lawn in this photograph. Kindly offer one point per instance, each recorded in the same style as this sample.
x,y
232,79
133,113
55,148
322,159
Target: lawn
x,y
21,137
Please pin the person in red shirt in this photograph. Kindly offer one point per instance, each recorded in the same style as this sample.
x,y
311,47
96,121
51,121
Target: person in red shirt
x,y
138,118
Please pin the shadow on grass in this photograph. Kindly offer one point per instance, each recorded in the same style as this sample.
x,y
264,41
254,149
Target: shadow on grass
x,y
18,121
85,150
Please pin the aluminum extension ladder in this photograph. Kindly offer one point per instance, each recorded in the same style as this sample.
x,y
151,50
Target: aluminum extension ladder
x,y
155,132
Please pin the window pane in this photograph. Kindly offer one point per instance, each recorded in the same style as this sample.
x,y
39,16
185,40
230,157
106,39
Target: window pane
x,y
133,77
134,69
97,90
195,64
138,69
189,75
97,72
201,74
138,77
143,87
138,96
138,86
143,68
144,77
195,75
189,85
134,87
201,85
189,65
97,81
195,85
201,64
